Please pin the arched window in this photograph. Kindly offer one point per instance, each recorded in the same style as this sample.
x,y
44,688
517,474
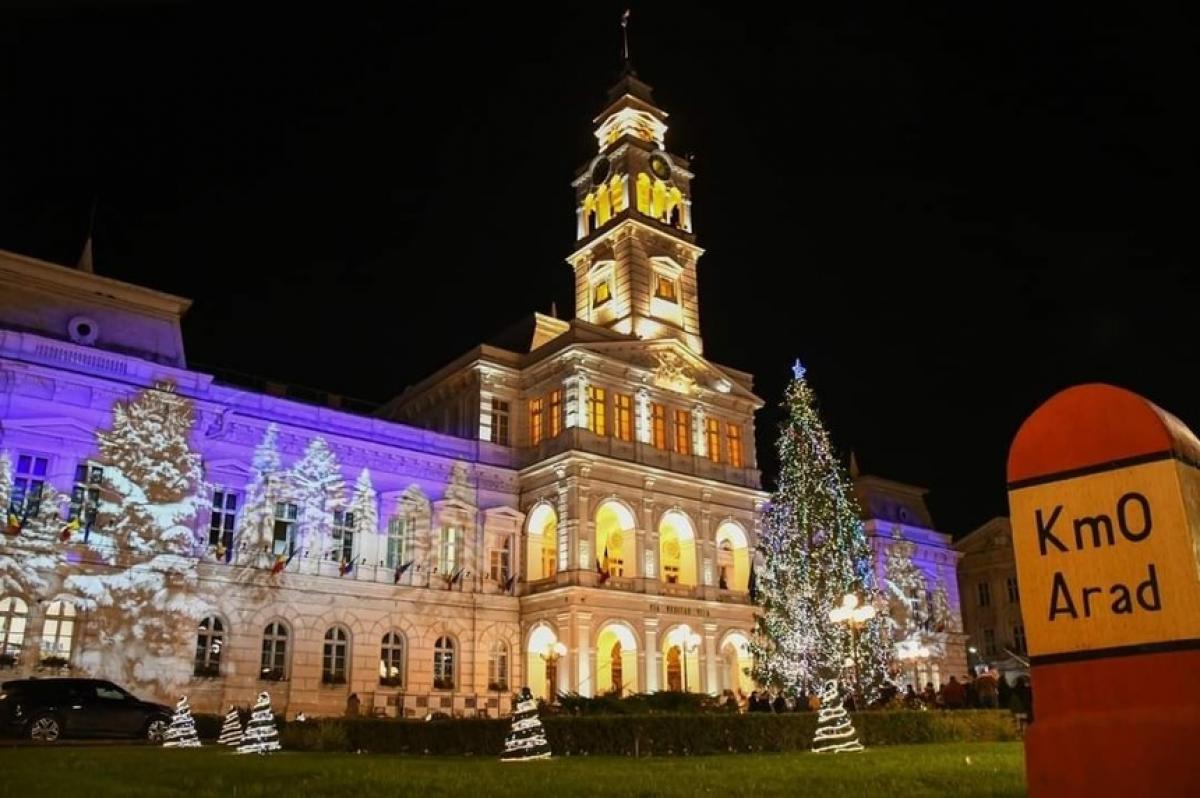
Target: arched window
x,y
210,639
274,652
443,664
333,657
498,667
391,660
57,634
14,614
674,670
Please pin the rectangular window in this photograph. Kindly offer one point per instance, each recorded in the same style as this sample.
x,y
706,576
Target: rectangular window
x,y
623,416
28,483
683,431
283,539
601,293
985,594
448,550
1014,594
664,288
85,493
499,421
397,542
223,519
499,562
556,412
342,536
597,401
989,641
536,420
1019,639
712,435
733,435
658,423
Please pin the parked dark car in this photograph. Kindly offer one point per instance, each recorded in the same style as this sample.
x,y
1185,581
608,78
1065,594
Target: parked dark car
x,y
48,709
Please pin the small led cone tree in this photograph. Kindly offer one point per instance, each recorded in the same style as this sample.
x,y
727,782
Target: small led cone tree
x,y
182,732
231,730
835,732
261,736
813,553
527,739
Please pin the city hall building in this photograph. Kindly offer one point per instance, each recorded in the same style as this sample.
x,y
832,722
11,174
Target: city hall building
x,y
571,506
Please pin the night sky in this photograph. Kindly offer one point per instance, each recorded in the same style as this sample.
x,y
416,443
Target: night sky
x,y
947,217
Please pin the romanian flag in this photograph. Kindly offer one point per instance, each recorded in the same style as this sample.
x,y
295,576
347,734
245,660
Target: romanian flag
x,y
71,528
400,569
13,528
281,562
346,567
600,569
508,585
751,584
221,552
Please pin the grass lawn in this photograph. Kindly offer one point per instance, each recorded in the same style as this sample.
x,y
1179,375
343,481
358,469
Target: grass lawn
x,y
894,771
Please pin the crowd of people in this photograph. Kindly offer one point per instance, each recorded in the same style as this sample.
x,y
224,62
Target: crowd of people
x,y
988,690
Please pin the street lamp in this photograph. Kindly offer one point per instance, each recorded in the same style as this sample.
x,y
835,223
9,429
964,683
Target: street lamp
x,y
855,616
551,656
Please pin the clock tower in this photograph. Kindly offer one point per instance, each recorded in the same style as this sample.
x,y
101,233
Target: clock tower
x,y
635,254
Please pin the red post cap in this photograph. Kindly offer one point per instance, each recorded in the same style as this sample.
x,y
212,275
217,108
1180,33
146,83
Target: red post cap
x,y
1087,426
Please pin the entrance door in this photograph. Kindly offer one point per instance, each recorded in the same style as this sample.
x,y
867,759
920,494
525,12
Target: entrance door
x,y
674,670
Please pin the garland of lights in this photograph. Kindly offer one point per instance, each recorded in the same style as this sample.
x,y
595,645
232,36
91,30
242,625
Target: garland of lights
x,y
835,732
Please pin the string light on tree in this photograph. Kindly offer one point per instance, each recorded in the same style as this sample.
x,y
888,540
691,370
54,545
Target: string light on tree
x,y
231,731
813,551
261,736
526,741
835,731
182,733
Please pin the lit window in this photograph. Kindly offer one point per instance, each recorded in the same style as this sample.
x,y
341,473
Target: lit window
x,y
664,288
274,652
985,594
597,398
14,615
733,434
498,667
58,630
443,664
536,420
448,549
499,421
283,538
391,660
712,435
658,421
223,519
555,412
85,493
342,536
683,432
398,541
333,656
601,293
28,482
623,411
210,639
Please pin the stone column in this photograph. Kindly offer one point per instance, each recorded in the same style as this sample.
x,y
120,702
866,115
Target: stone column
x,y
650,682
712,686
584,654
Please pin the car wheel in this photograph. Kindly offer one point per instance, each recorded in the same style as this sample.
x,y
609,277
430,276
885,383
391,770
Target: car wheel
x,y
45,729
156,729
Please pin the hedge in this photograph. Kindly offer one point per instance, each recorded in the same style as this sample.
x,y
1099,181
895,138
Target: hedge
x,y
643,735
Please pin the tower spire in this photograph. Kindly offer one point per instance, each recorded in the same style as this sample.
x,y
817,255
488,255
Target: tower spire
x,y
625,41
85,258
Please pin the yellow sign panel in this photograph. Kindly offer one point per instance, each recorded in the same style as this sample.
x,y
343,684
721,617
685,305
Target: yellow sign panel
x,y
1109,559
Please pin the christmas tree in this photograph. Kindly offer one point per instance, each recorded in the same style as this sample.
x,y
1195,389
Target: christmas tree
x,y
906,586
319,489
182,733
814,552
258,510
261,736
231,731
364,506
30,549
835,732
944,619
143,596
527,739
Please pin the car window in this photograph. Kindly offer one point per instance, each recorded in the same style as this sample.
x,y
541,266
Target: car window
x,y
109,693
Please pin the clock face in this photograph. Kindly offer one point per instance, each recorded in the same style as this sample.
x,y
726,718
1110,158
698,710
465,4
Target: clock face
x,y
660,166
600,171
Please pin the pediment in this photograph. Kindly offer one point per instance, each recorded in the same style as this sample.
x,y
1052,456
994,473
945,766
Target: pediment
x,y
670,365
67,429
505,512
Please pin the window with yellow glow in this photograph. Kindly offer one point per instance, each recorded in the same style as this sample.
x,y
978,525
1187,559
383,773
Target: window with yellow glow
x,y
616,192
734,435
597,399
712,433
683,432
536,418
555,412
623,416
664,288
643,194
658,422
601,293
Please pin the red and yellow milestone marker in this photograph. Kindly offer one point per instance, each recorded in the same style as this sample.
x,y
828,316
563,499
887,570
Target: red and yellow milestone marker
x,y
1104,492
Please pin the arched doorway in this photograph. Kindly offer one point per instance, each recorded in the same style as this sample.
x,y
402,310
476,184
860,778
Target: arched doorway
x,y
541,556
736,662
677,549
615,538
616,660
733,557
674,670
681,660
542,660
